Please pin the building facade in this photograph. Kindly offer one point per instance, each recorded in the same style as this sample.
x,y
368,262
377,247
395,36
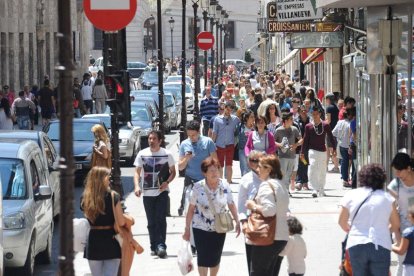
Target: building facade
x,y
29,41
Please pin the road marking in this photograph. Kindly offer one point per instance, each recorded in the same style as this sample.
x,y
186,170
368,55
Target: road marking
x,y
205,40
109,4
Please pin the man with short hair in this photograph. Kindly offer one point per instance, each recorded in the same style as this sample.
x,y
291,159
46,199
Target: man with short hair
x,y
208,109
287,138
155,169
23,108
223,135
314,145
193,151
332,113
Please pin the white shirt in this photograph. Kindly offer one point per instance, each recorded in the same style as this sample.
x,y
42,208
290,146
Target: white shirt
x,y
155,169
295,251
373,218
249,185
5,122
405,198
343,133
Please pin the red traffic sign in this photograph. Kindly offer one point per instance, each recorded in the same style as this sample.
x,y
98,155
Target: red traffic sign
x,y
110,15
205,40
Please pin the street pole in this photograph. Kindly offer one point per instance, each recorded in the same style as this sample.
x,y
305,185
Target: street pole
x,y
221,51
225,44
67,177
160,69
196,67
172,21
205,13
212,79
183,134
217,50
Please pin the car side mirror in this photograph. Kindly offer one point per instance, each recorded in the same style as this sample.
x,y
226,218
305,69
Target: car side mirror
x,y
44,192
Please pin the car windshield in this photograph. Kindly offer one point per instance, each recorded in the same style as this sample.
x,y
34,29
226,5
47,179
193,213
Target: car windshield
x,y
139,113
136,65
178,78
176,92
12,179
150,76
105,119
178,85
170,99
81,131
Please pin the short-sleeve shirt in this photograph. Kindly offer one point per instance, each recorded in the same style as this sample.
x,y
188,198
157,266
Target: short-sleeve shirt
x,y
201,149
203,218
155,169
224,128
292,134
405,198
334,111
409,235
46,95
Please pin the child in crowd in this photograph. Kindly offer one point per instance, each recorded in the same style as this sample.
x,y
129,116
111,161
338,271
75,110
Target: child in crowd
x,y
295,250
406,245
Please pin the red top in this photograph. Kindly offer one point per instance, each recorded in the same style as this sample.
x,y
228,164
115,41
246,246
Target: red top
x,y
311,140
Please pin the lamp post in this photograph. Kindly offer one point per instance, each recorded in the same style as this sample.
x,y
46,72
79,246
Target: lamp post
x,y
160,69
225,19
196,65
172,21
223,12
218,16
204,6
212,14
183,134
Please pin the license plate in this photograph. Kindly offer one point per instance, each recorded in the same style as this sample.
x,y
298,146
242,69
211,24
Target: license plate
x,y
79,166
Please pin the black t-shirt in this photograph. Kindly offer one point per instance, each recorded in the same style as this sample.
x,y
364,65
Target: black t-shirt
x,y
46,95
334,111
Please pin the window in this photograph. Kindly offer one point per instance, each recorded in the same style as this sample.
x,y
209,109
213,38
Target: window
x,y
97,39
230,35
50,154
12,179
191,32
35,178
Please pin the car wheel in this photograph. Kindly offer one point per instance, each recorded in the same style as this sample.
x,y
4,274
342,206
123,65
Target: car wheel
x,y
45,257
28,268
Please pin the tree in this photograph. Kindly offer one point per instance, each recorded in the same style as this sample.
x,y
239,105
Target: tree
x,y
248,57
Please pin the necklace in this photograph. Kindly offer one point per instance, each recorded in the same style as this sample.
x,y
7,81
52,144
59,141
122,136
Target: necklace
x,y
316,128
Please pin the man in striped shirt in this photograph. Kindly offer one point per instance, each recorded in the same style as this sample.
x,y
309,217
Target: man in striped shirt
x,y
208,108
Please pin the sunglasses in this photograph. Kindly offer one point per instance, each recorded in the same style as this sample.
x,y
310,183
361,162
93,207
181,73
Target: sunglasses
x,y
254,160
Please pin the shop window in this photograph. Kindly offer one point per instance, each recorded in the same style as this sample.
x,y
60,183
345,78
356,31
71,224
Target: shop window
x,y
97,39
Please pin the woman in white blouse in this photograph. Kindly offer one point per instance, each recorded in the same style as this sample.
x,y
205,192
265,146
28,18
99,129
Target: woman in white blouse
x,y
369,235
270,201
208,242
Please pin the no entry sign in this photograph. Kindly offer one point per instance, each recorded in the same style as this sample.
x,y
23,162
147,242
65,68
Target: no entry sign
x,y
205,40
110,15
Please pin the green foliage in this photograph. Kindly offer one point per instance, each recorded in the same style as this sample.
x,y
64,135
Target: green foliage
x,y
248,57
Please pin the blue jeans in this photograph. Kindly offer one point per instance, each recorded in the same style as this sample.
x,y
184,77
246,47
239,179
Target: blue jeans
x,y
156,211
344,163
23,122
367,261
244,167
104,267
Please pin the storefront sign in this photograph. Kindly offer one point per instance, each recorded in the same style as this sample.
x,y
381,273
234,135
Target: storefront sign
x,y
289,27
304,53
316,40
293,10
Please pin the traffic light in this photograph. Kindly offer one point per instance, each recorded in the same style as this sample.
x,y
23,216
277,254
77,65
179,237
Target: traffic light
x,y
118,89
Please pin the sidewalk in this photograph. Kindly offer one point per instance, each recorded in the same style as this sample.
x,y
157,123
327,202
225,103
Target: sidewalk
x,y
319,216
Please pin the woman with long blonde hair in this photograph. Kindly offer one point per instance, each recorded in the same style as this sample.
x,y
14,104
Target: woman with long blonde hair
x,y
102,251
101,152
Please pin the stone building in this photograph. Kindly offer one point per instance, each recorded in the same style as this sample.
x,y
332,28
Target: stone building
x,y
29,41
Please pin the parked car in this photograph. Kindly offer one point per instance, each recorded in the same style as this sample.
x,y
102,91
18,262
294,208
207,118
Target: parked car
x,y
83,141
176,92
239,63
142,116
136,69
98,66
147,80
27,205
153,94
178,78
49,158
129,137
172,105
189,94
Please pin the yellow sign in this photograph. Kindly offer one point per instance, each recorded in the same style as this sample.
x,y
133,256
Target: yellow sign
x,y
289,27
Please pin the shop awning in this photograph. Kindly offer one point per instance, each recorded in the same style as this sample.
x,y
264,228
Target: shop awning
x,y
288,58
357,3
316,53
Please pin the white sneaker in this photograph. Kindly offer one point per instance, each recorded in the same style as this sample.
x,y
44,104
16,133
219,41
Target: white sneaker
x,y
314,194
322,194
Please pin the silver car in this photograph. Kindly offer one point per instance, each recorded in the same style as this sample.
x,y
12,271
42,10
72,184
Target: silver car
x,y
27,205
129,138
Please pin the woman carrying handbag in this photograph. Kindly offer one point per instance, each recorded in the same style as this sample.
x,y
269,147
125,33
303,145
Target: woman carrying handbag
x,y
102,250
272,199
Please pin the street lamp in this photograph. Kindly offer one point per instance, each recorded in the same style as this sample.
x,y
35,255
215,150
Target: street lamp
x,y
225,20
205,7
223,13
160,60
172,21
183,134
196,65
218,16
212,14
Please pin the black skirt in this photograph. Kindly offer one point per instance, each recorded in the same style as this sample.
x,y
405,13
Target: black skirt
x,y
102,245
209,247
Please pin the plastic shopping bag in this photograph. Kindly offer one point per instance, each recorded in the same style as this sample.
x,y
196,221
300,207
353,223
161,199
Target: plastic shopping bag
x,y
80,234
185,258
